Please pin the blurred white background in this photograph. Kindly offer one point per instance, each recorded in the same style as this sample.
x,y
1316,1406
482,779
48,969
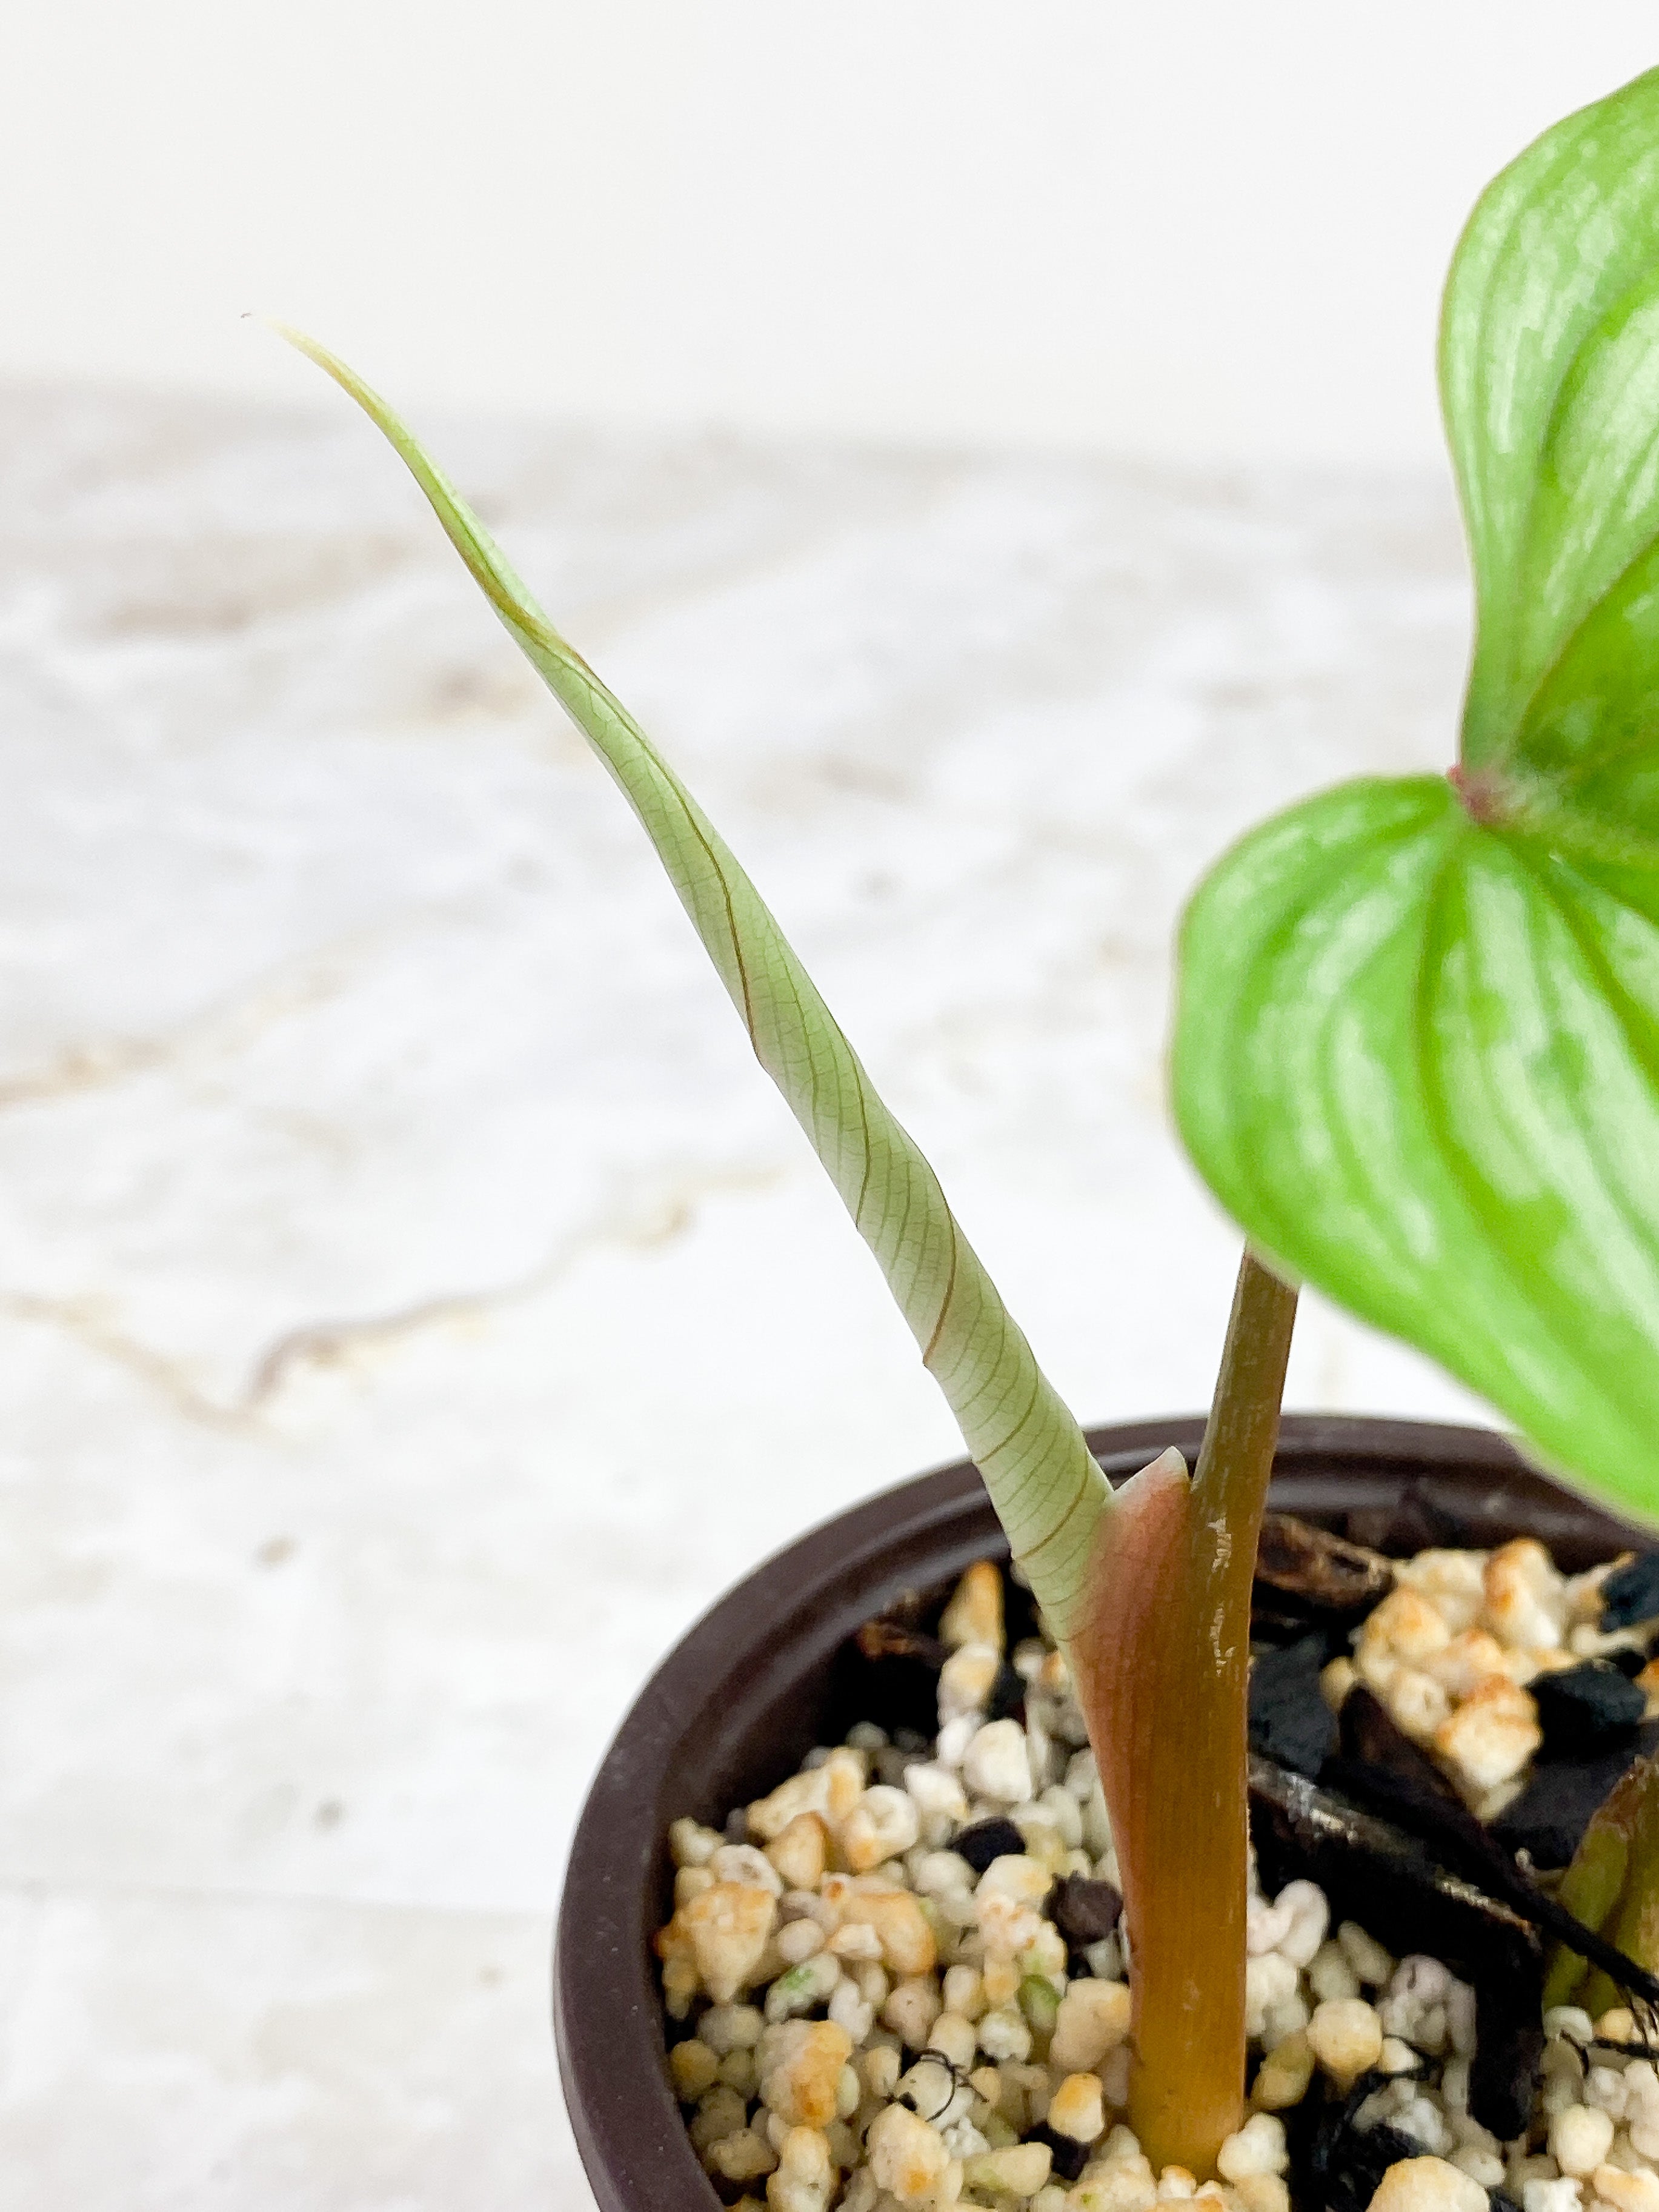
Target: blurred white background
x,y
1193,228
993,449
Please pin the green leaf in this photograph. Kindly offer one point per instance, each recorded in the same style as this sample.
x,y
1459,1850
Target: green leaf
x,y
1550,380
1048,1490
1417,1048
1418,1059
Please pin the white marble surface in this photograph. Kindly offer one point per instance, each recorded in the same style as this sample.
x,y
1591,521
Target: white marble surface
x,y
414,1306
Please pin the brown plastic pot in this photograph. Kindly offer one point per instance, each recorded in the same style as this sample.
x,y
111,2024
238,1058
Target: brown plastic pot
x,y
753,1686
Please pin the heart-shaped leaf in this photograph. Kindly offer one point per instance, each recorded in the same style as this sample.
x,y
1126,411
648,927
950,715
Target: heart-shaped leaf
x,y
1418,1058
1416,1047
1550,376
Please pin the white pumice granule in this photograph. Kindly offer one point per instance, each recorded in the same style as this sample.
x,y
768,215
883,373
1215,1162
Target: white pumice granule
x,y
1627,2192
1370,1962
1562,2195
1310,1917
1330,1974
996,1764
1428,2184
1258,2148
907,2158
953,2038
1077,2108
1580,2139
1283,2077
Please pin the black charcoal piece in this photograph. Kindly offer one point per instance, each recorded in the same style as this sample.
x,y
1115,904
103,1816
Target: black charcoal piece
x,y
889,1673
1509,2046
1309,1570
1631,1594
1582,1708
1007,1697
1301,2135
1290,1720
987,1840
1381,1767
1070,2157
1273,1625
1084,1912
1371,1732
1552,1812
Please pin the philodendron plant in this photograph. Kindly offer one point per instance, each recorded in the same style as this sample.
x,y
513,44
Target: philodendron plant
x,y
1416,1057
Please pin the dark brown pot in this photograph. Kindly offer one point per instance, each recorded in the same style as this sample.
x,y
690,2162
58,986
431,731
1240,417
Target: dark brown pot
x,y
752,1687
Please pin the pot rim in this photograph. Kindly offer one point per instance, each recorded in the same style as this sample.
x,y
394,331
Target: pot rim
x,y
806,1599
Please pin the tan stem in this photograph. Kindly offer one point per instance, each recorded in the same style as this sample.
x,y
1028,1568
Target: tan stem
x,y
1162,1669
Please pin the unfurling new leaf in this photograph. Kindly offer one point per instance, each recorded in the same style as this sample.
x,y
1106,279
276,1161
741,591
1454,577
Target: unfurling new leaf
x,y
1048,1490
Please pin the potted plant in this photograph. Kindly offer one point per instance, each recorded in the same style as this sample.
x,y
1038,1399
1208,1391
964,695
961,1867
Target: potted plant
x,y
1416,1056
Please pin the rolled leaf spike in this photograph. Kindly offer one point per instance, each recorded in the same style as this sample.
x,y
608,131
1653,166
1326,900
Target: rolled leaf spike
x,y
1049,1492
